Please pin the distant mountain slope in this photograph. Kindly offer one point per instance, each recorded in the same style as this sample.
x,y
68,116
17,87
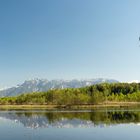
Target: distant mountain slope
x,y
37,85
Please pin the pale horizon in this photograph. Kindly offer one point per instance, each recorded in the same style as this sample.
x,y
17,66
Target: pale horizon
x,y
69,40
16,84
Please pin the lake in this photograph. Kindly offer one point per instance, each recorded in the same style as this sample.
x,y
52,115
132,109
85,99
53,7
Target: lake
x,y
98,124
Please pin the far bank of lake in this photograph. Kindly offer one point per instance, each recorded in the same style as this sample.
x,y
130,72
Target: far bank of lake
x,y
82,106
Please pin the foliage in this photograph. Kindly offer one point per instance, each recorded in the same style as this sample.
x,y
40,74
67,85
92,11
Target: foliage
x,y
87,95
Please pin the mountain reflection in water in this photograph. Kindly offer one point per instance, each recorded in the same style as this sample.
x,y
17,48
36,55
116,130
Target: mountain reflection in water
x,y
72,119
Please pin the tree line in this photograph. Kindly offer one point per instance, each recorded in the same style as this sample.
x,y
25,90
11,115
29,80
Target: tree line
x,y
99,93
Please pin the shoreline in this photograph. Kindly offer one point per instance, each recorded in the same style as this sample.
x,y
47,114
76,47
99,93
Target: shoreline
x,y
82,106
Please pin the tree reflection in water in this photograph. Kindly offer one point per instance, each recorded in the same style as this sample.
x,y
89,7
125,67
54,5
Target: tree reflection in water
x,y
92,118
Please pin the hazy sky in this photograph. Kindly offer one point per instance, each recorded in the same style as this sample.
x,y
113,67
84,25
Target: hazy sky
x,y
66,39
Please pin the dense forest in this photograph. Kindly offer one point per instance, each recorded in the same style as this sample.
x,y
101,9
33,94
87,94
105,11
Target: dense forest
x,y
95,94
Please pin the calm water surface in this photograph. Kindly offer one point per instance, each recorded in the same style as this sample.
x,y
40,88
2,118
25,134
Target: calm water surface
x,y
103,124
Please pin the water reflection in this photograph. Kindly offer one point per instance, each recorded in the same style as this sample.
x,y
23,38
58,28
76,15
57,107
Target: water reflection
x,y
72,119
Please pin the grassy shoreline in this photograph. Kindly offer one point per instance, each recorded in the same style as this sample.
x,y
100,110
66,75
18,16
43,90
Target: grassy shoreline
x,y
100,105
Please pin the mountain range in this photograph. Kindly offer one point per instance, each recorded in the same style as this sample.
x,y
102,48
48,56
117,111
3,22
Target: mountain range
x,y
38,85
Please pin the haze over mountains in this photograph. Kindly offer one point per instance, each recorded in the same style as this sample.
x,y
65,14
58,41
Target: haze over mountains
x,y
38,85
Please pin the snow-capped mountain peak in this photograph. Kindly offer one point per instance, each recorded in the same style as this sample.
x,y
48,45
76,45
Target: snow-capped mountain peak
x,y
37,85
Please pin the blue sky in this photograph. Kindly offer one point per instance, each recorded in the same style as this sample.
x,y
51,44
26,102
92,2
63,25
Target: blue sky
x,y
66,39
